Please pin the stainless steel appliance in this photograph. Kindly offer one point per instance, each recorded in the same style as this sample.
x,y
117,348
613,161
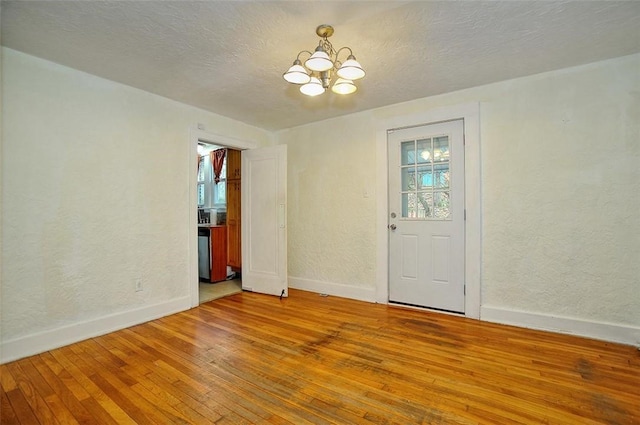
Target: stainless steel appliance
x,y
204,259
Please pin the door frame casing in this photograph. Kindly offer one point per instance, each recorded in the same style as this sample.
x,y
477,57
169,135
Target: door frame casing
x,y
470,114
197,135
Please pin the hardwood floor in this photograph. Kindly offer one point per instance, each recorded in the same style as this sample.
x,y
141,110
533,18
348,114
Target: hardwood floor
x,y
252,358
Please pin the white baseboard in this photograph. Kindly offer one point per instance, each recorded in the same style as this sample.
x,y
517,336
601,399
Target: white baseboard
x,y
623,334
48,340
335,289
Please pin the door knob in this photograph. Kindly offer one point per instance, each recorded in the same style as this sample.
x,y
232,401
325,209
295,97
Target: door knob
x,y
392,227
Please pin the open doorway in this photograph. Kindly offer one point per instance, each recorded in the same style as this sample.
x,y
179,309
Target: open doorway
x,y
218,221
264,230
197,136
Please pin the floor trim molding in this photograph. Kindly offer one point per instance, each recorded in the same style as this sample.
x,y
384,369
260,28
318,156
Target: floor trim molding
x,y
336,289
623,334
54,338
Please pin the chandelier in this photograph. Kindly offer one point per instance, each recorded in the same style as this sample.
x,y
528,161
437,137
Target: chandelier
x,y
316,74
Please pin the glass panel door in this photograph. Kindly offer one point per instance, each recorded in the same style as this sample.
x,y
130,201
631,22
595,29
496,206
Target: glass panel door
x,y
424,173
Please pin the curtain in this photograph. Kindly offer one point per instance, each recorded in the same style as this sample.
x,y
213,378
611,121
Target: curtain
x,y
217,159
199,159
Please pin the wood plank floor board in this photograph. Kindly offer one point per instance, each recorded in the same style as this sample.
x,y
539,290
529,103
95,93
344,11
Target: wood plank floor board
x,y
9,415
292,393
367,366
62,392
185,372
30,389
218,375
304,381
20,409
171,387
60,411
306,359
115,374
538,374
249,386
157,396
99,403
64,375
208,405
111,385
263,356
251,393
511,373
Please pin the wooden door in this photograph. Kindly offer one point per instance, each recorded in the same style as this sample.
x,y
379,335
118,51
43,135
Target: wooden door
x,y
234,225
264,236
234,161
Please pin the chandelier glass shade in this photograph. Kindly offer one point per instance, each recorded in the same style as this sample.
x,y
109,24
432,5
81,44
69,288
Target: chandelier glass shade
x,y
351,69
319,69
342,86
319,61
313,87
297,74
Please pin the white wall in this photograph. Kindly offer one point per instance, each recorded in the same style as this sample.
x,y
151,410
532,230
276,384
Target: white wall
x,y
560,199
95,195
332,210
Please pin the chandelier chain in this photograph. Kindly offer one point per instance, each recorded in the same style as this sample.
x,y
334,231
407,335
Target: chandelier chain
x,y
327,47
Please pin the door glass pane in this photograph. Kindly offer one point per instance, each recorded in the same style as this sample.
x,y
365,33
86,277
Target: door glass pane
x,y
423,151
441,206
424,205
441,175
408,153
405,205
408,179
417,205
441,148
425,177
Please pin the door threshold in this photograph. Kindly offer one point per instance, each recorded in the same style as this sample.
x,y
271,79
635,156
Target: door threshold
x,y
423,308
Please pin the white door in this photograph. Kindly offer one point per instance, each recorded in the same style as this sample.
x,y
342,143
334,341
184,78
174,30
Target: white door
x,y
264,222
426,216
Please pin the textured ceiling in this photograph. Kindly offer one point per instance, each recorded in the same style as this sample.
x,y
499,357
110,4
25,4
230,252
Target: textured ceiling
x,y
228,57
